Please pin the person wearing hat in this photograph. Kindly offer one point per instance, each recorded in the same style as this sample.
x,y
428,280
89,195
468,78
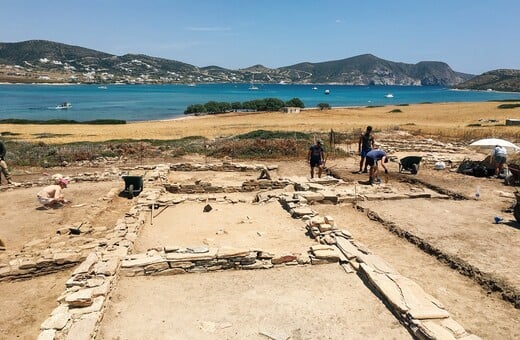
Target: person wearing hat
x,y
52,196
316,158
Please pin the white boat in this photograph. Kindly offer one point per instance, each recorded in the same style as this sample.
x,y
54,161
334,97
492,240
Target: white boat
x,y
327,91
64,106
192,85
389,95
252,86
314,88
102,87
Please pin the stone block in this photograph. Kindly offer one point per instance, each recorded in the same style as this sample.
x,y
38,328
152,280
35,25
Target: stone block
x,y
156,267
454,327
325,227
83,328
56,321
311,196
315,221
107,268
27,263
48,334
184,257
331,255
81,298
171,271
140,260
96,306
283,259
329,220
302,211
228,252
433,330
86,265
66,257
347,248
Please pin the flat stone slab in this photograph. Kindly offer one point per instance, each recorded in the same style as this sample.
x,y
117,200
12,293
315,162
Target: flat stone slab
x,y
182,257
405,295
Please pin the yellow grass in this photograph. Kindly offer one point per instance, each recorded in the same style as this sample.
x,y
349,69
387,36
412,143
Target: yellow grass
x,y
447,120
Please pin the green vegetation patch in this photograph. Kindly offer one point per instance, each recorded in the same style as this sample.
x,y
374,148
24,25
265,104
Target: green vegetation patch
x,y
266,104
508,106
50,135
62,121
265,134
395,111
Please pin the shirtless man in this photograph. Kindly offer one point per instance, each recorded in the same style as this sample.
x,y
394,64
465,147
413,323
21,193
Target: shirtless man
x,y
52,196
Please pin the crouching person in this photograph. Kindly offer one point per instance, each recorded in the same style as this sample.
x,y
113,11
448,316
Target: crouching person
x,y
52,195
373,158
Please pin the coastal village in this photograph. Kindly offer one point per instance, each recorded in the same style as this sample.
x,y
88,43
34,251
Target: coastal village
x,y
266,252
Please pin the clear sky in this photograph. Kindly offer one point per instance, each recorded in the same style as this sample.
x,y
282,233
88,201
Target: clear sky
x,y
472,36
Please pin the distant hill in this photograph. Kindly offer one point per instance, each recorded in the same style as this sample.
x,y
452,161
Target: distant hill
x,y
47,61
368,69
498,80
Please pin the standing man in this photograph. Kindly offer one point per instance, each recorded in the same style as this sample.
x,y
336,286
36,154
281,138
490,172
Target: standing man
x,y
366,143
316,158
500,158
3,164
373,157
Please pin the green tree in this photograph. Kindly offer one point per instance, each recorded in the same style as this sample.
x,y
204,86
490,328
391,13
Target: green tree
x,y
295,102
324,106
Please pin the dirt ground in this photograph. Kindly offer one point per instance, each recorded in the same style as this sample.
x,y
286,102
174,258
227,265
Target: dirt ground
x,y
304,302
30,302
318,302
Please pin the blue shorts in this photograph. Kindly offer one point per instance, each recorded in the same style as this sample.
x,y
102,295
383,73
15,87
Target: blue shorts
x,y
315,162
364,152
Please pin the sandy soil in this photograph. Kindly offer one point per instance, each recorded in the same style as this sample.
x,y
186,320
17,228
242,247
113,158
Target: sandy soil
x,y
318,302
446,120
304,302
30,302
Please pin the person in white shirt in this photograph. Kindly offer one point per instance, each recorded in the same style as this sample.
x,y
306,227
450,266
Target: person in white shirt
x,y
500,158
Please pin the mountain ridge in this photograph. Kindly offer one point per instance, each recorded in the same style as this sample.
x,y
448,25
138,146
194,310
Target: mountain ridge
x,y
497,80
47,61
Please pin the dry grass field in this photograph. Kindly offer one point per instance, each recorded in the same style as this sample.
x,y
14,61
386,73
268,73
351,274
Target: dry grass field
x,y
445,121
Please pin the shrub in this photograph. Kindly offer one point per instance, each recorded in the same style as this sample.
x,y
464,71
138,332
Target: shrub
x,y
508,106
324,106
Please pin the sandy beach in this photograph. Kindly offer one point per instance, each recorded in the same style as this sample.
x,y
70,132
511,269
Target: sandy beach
x,y
448,120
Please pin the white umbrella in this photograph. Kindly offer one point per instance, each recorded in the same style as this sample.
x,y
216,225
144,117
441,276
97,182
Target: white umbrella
x,y
489,143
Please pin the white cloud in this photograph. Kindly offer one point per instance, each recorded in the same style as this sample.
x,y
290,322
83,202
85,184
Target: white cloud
x,y
339,21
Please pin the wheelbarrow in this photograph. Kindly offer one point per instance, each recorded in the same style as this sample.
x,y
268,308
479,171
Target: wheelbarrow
x,y
133,185
410,163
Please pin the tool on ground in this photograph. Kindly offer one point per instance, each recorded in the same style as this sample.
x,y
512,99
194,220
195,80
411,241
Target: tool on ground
x,y
76,230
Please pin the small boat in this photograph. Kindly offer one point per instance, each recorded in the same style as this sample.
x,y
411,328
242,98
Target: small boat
x,y
102,87
253,87
64,106
327,91
389,95
314,88
192,85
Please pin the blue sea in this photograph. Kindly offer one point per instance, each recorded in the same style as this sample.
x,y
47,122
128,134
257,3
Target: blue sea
x,y
156,102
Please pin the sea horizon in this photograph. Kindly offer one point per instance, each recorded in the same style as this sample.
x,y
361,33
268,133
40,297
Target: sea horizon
x,y
143,102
